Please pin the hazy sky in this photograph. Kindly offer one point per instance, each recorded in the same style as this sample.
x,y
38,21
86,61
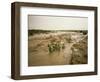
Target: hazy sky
x,y
57,23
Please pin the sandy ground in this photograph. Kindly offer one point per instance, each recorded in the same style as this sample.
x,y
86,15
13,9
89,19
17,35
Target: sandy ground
x,y
38,54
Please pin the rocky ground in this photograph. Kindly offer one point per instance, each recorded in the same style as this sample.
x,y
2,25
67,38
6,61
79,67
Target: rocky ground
x,y
79,52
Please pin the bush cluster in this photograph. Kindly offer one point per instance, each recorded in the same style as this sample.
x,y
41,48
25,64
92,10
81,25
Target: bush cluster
x,y
55,46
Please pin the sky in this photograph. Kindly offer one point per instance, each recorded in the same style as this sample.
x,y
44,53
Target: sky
x,y
57,22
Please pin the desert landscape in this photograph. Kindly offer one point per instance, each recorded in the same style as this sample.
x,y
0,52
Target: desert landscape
x,y
57,47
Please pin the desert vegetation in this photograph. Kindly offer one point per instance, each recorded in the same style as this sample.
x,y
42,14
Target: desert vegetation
x,y
57,47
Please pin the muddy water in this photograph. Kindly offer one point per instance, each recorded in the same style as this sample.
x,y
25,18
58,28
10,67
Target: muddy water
x,y
43,57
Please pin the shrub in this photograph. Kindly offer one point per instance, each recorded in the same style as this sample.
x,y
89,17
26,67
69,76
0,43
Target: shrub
x,y
55,46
